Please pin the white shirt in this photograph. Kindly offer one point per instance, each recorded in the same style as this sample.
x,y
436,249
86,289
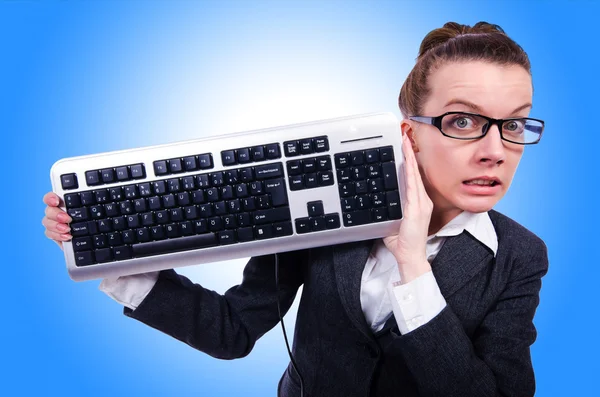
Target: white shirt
x,y
413,304
417,302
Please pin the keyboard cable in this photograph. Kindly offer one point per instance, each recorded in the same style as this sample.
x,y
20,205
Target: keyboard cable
x,y
283,326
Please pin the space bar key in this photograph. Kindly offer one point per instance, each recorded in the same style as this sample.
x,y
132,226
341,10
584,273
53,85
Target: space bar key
x,y
174,245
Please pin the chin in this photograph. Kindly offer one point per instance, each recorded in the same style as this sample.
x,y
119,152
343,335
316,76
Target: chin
x,y
480,204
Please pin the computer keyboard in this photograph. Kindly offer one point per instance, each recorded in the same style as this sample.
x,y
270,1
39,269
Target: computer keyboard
x,y
231,196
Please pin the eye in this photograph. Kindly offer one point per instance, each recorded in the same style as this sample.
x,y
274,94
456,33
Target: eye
x,y
514,126
463,122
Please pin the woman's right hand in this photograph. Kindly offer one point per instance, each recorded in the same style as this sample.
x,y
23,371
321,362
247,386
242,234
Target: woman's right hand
x,y
56,220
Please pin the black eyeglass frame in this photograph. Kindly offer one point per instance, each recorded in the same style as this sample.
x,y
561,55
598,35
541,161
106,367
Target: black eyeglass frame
x,y
437,122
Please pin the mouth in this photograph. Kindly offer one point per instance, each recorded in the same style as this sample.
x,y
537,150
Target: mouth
x,y
482,187
491,183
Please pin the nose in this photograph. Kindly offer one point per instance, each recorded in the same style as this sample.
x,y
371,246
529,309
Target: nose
x,y
491,148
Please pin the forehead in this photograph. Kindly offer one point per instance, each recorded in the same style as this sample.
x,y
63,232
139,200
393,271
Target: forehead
x,y
496,89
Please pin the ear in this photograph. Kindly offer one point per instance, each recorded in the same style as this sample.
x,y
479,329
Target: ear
x,y
408,129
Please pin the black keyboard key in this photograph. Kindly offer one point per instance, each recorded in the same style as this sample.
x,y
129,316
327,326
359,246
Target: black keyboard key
x,y
378,199
100,241
263,202
393,204
102,196
243,155
116,193
348,204
315,208
263,232
332,221
282,229
294,167
142,234
172,230
228,157
168,201
174,245
229,221
122,173
257,153
215,224
361,187
145,190
137,171
130,191
108,175
133,221
160,168
231,177
189,163
357,218
114,239
79,214
379,214
371,156
306,146
276,188
256,188
128,236
82,244
268,171
241,190
92,178
291,148
386,154
219,208
302,225
202,181
84,258
271,215
72,200
310,181
273,151
321,144
309,165
122,252
186,229
317,224
97,211
147,219
362,202
79,229
246,174
173,185
226,237
103,255
324,163
205,210
375,185
244,219
342,160
105,226
357,157
87,198
158,232
245,234
217,178
69,181
325,178
188,183
175,165
390,180
205,161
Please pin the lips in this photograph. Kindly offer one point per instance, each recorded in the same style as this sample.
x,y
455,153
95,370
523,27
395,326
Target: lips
x,y
495,181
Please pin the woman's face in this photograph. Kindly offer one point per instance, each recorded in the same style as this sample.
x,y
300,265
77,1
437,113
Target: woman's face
x,y
445,163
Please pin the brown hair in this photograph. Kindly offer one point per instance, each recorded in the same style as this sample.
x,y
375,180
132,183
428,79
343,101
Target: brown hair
x,y
457,43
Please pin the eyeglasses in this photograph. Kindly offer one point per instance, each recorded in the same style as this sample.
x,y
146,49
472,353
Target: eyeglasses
x,y
461,125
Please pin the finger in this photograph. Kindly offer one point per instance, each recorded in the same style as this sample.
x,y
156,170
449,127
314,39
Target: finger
x,y
411,180
55,226
57,237
51,199
420,193
58,215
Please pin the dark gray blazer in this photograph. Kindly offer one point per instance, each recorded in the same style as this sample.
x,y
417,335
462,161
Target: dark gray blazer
x,y
478,345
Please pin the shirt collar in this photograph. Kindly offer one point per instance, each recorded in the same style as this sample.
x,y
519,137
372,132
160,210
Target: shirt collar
x,y
479,225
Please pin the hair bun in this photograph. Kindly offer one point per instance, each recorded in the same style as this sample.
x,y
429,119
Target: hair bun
x,y
451,30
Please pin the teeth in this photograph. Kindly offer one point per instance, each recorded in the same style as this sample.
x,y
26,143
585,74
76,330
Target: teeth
x,y
479,182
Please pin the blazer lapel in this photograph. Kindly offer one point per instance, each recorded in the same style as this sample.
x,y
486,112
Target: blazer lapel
x,y
349,262
459,259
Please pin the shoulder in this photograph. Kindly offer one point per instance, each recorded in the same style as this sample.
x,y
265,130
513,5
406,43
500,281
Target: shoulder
x,y
516,242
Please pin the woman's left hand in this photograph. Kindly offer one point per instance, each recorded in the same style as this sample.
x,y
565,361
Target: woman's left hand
x,y
409,245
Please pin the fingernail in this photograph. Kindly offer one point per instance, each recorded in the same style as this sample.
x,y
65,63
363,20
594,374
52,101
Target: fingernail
x,y
64,218
63,228
66,237
55,201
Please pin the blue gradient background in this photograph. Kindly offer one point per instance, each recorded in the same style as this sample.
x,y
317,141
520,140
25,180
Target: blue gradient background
x,y
85,77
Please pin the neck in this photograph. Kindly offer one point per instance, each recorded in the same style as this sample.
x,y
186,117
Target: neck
x,y
440,217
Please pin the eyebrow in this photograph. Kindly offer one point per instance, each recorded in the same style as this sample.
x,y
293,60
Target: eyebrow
x,y
476,108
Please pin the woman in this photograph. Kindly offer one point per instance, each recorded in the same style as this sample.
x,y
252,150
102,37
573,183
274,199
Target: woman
x,y
443,308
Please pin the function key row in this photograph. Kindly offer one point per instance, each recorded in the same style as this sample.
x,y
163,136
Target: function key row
x,y
248,155
306,146
183,164
116,174
368,156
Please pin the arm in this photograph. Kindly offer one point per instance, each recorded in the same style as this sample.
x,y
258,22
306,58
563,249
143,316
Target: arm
x,y
497,361
223,326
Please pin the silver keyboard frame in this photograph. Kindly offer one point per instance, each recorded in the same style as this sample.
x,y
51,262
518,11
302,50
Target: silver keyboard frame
x,y
344,134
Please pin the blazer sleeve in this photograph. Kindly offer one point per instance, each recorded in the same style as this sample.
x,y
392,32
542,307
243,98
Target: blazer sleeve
x,y
224,326
496,361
